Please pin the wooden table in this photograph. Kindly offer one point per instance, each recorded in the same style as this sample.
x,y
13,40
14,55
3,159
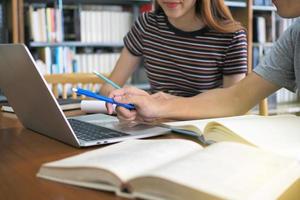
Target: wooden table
x,y
21,154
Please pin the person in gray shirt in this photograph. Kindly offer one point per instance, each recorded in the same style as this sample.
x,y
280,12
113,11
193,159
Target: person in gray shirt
x,y
280,68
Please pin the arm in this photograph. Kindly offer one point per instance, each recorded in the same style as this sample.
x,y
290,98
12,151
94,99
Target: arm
x,y
125,66
231,80
235,100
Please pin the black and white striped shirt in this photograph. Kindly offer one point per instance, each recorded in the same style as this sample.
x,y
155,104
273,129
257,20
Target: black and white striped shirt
x,y
185,63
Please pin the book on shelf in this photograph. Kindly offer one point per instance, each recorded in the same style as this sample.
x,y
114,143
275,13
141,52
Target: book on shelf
x,y
71,24
93,23
68,60
183,169
107,24
262,2
259,2
259,29
45,24
3,24
65,104
256,55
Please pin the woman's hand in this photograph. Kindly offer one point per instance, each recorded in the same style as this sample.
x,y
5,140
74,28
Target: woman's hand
x,y
118,94
148,107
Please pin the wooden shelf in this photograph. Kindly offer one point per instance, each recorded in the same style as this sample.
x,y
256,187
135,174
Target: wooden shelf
x,y
236,4
107,2
76,44
264,8
243,4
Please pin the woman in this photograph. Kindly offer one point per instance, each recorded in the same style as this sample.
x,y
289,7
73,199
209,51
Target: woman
x,y
187,47
280,68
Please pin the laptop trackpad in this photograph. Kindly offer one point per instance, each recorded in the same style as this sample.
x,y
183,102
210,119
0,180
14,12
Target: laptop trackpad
x,y
113,123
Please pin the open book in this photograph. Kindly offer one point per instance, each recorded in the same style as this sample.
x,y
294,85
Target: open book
x,y
180,169
278,133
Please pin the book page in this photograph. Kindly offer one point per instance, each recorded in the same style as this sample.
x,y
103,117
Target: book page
x,y
279,133
223,170
197,128
193,125
129,158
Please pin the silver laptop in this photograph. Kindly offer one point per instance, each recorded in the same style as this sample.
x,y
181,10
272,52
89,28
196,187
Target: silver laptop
x,y
36,107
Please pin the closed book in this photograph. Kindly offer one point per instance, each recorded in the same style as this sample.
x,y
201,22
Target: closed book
x,y
65,104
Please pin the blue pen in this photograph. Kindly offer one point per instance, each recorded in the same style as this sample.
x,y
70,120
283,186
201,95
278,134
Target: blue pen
x,y
102,98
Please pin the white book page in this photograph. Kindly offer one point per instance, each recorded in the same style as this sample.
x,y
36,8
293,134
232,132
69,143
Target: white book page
x,y
200,124
229,171
279,134
132,157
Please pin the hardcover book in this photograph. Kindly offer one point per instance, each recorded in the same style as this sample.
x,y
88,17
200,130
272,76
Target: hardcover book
x,y
249,157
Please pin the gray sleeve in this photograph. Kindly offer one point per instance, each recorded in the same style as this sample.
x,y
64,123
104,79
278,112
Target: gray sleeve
x,y
278,65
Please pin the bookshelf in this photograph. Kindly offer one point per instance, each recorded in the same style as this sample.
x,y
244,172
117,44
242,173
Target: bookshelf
x,y
90,50
244,11
77,44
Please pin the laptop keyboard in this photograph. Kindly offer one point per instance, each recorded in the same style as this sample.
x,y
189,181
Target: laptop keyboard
x,y
90,132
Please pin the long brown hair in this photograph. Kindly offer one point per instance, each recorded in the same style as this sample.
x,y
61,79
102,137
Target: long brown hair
x,y
215,14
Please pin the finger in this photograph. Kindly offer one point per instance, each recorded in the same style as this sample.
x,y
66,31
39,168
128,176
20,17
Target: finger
x,y
137,100
109,108
117,92
112,94
125,120
125,114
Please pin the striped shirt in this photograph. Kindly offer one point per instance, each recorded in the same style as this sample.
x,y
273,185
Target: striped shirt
x,y
185,63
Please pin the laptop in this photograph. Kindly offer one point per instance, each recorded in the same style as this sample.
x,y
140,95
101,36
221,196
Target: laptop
x,y
37,109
